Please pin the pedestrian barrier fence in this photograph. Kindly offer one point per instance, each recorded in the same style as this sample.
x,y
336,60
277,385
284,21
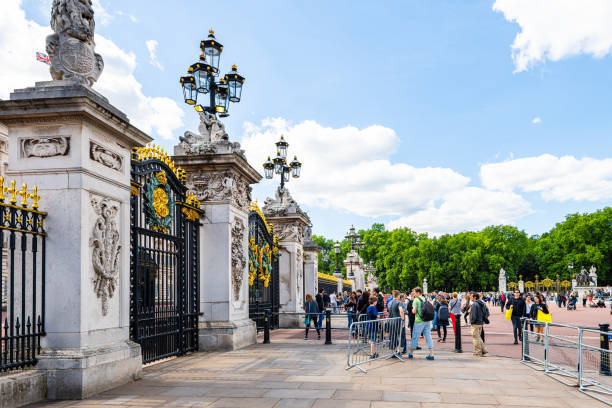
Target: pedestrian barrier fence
x,y
371,340
574,355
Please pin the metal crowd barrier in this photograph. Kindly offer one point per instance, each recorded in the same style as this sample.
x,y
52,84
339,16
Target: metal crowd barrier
x,y
371,340
574,355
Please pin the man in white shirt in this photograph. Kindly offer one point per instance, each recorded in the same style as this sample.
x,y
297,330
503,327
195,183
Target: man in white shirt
x,y
334,302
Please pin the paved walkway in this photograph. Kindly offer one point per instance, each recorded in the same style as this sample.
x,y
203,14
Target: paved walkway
x,y
302,373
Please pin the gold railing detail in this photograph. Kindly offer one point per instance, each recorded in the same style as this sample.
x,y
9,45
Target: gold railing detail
x,y
23,193
255,207
152,151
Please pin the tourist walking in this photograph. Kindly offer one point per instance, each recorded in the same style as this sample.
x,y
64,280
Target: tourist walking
x,y
422,323
466,307
320,305
455,309
326,300
351,309
517,303
502,301
380,302
479,315
395,310
363,304
312,314
372,328
539,306
528,305
333,302
443,314
409,312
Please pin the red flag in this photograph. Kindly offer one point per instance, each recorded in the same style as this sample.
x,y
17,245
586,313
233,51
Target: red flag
x,y
43,58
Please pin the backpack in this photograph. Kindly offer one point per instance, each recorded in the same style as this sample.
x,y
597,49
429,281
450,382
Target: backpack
x,y
427,311
443,313
485,312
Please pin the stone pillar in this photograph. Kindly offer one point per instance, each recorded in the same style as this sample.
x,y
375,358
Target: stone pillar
x,y
425,286
311,263
502,280
220,175
521,286
75,147
289,222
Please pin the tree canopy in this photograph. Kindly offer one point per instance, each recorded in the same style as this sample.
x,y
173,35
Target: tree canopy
x,y
472,260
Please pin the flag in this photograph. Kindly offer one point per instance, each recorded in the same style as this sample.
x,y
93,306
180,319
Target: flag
x,y
42,58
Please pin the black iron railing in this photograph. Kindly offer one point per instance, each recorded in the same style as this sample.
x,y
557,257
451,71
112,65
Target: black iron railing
x,y
22,287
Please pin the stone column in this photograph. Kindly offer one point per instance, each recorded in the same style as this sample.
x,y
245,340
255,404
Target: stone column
x,y
311,263
220,175
502,280
75,147
289,222
521,286
425,286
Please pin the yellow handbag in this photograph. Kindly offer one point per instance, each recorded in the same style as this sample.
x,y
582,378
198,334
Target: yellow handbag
x,y
544,317
509,313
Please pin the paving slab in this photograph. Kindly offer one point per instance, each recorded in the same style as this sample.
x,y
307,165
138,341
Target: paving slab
x,y
300,374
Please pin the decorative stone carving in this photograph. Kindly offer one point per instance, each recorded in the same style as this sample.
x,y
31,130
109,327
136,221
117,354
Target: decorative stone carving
x,y
105,157
71,48
45,146
281,204
221,186
502,274
238,256
105,255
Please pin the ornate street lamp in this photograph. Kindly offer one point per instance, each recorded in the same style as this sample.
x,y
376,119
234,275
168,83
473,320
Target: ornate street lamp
x,y
337,272
279,165
201,79
354,239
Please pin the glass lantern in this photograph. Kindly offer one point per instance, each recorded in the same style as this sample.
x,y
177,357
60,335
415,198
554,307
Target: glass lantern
x,y
337,248
279,163
190,91
282,146
296,167
201,72
234,82
212,50
221,98
269,168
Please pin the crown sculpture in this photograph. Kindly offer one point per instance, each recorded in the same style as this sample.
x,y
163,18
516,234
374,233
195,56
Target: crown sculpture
x,y
71,48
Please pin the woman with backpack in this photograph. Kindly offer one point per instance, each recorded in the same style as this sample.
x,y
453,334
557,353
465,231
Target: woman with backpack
x,y
443,316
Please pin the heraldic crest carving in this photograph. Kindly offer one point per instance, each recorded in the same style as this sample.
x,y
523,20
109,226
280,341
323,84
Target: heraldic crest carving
x,y
158,203
71,48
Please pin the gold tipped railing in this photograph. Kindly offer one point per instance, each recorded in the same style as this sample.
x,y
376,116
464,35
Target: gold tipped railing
x,y
152,151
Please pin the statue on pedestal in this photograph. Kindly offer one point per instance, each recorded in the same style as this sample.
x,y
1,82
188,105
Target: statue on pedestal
x,y
583,278
71,48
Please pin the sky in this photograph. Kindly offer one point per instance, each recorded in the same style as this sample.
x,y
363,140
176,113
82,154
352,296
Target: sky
x,y
441,116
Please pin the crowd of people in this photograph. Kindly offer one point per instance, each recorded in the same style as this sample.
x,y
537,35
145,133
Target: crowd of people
x,y
421,313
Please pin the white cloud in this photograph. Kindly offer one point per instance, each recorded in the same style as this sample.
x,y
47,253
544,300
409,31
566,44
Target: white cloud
x,y
152,47
556,29
21,38
132,18
536,120
101,15
555,178
349,169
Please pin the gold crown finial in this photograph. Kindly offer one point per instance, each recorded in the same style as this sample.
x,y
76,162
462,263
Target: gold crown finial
x,y
211,31
234,67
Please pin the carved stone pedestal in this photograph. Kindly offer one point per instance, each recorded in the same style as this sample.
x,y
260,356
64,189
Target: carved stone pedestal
x,y
70,142
289,222
220,176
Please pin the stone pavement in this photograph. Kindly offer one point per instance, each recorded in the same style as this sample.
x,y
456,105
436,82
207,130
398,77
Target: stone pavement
x,y
302,373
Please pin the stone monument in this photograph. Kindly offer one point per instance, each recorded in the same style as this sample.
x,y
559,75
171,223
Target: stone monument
x,y
75,146
521,284
311,262
502,280
289,222
593,275
425,291
219,174
71,48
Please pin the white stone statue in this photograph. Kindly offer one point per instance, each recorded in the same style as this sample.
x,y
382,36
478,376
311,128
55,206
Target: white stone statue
x,y
71,48
211,128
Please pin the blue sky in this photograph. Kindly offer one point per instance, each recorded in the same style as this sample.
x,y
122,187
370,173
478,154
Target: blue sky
x,y
439,79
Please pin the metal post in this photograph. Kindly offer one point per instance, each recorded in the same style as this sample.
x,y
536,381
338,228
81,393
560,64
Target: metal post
x,y
579,359
328,339
458,334
525,345
267,314
546,340
604,344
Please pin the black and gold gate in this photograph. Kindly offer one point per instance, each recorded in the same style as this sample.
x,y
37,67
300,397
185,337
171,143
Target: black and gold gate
x,y
164,279
263,269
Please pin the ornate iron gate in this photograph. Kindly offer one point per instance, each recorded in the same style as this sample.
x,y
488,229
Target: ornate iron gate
x,y
164,272
263,269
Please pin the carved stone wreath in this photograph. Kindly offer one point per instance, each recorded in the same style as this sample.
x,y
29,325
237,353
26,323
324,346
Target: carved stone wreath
x,y
221,186
238,256
106,248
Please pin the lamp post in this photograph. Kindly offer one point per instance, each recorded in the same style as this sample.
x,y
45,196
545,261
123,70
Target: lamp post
x,y
202,77
337,272
354,239
279,164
